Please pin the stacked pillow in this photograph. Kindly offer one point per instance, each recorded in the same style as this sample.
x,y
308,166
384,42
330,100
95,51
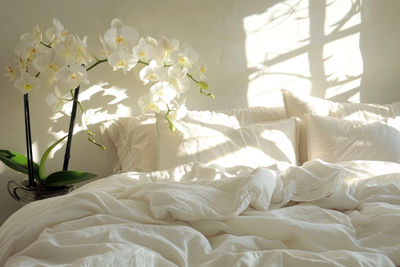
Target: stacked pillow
x,y
360,131
256,136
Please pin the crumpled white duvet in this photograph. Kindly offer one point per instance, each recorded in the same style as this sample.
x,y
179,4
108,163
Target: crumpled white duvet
x,y
320,214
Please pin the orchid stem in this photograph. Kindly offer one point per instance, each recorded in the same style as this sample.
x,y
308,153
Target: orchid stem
x,y
143,62
71,130
96,63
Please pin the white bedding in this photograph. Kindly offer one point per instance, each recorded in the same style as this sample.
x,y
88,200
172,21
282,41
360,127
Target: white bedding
x,y
343,214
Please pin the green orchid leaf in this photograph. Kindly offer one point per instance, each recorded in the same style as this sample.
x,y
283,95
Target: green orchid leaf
x,y
42,175
62,178
18,162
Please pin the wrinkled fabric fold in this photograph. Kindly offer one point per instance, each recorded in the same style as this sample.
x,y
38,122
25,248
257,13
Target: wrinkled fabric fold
x,y
320,214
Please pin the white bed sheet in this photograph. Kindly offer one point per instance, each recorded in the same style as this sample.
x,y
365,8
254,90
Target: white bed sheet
x,y
321,214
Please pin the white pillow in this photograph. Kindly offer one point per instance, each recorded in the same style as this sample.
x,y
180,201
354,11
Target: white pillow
x,y
239,117
214,142
132,143
298,106
111,150
333,140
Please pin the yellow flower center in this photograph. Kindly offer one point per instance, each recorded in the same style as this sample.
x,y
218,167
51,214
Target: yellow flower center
x,y
203,69
10,73
122,63
74,76
120,40
152,77
152,107
182,60
28,87
142,54
52,66
31,54
21,62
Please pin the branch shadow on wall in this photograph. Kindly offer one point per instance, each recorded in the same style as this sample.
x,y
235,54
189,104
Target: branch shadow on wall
x,y
324,30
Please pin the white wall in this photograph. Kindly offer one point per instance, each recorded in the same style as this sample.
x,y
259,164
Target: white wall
x,y
336,49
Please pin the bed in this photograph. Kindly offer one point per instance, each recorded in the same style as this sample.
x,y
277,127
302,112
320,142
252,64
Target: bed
x,y
314,183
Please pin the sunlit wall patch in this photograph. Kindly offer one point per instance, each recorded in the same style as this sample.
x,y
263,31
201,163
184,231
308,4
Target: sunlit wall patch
x,y
308,46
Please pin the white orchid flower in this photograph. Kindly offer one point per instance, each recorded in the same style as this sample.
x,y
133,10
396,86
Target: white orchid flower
x,y
106,50
153,72
186,56
56,100
177,72
81,53
161,94
163,48
37,34
178,77
179,111
27,47
27,82
120,35
56,33
198,70
122,59
10,73
163,91
143,50
72,75
60,32
146,103
51,35
66,49
167,46
48,65
151,41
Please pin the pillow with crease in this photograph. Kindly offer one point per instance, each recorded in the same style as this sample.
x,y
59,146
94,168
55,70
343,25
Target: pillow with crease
x,y
254,145
333,140
299,106
132,142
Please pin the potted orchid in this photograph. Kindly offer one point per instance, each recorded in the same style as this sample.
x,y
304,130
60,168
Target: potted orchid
x,y
60,61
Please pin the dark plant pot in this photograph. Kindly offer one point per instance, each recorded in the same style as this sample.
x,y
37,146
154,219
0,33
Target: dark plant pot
x,y
25,194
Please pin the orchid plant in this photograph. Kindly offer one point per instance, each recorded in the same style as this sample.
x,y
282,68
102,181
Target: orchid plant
x,y
60,60
171,70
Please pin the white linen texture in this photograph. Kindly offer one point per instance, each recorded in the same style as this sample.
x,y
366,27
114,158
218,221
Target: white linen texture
x,y
335,140
132,142
319,214
223,143
300,105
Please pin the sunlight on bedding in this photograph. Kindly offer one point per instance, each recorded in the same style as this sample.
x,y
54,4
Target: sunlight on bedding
x,y
255,156
252,155
321,57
